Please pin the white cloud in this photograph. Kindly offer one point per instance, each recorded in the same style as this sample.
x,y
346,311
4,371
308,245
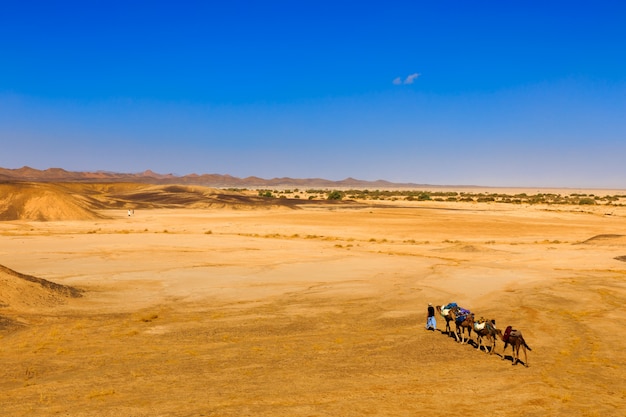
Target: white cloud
x,y
410,79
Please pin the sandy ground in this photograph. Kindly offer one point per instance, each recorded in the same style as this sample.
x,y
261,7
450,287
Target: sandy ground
x,y
316,312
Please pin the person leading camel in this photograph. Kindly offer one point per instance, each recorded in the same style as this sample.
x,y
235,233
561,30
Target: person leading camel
x,y
431,322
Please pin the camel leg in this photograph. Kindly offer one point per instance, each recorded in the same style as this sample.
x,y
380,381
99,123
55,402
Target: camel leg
x,y
525,355
462,335
479,341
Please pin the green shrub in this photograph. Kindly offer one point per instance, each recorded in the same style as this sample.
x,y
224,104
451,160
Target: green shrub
x,y
335,195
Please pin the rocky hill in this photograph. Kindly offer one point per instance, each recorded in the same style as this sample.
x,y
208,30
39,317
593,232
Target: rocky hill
x,y
209,180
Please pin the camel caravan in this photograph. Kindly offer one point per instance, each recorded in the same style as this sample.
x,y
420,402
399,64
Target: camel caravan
x,y
465,321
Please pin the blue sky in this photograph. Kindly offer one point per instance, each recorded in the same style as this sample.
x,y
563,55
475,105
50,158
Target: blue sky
x,y
432,92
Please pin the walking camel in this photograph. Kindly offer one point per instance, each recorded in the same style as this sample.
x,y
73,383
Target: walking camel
x,y
486,328
516,340
447,313
463,320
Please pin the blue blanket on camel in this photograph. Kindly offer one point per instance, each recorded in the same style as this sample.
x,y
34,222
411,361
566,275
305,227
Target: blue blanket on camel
x,y
462,315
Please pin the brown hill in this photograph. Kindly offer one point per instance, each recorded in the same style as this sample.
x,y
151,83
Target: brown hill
x,y
209,180
49,201
607,240
20,291
43,202
184,196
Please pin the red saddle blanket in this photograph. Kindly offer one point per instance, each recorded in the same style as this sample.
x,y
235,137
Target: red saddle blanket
x,y
507,333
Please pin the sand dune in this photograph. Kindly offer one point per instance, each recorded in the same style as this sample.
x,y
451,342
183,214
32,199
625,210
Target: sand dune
x,y
19,291
43,202
607,239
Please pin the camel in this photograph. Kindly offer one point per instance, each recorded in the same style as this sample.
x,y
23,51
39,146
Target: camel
x,y
486,328
447,314
463,321
516,340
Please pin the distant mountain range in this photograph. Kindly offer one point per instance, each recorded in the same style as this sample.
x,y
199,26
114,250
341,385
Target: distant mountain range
x,y
209,180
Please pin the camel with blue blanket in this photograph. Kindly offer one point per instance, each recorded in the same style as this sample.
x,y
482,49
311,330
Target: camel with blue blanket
x,y
463,319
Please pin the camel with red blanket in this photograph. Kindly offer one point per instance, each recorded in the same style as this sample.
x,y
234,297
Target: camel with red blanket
x,y
516,340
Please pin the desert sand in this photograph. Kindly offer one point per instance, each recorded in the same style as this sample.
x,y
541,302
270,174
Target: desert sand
x,y
315,310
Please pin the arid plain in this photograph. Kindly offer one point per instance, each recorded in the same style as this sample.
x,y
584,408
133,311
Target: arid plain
x,y
206,303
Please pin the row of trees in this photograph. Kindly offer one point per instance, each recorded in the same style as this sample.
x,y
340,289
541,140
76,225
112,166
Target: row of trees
x,y
451,196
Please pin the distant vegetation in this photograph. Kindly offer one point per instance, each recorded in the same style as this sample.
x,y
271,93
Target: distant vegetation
x,y
446,196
